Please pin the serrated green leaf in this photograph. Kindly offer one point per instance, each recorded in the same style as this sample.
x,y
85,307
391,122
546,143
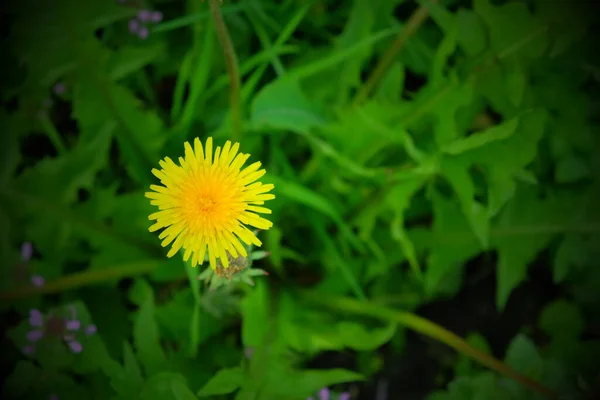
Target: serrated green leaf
x,y
523,356
225,381
283,105
453,243
146,336
521,234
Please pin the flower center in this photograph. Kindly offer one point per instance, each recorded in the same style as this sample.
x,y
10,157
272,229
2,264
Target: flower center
x,y
205,204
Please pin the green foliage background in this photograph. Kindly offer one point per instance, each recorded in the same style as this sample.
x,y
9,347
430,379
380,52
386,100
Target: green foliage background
x,y
476,148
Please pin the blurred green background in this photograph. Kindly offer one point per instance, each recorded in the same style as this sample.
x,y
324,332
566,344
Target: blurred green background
x,y
435,172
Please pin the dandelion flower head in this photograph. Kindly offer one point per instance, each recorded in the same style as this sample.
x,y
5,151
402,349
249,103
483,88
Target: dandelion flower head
x,y
207,201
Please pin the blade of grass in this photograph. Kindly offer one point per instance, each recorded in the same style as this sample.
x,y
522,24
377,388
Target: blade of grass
x,y
203,53
266,43
287,32
340,56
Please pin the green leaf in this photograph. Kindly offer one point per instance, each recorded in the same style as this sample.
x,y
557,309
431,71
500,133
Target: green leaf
x,y
571,169
562,320
497,132
516,82
465,365
523,229
225,381
59,179
126,380
456,172
359,25
443,53
523,356
282,383
311,331
398,200
145,332
512,24
453,243
21,379
303,195
573,251
283,105
255,317
130,59
167,386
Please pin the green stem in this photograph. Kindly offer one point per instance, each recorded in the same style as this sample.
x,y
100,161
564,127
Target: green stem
x,y
412,26
430,329
232,70
80,279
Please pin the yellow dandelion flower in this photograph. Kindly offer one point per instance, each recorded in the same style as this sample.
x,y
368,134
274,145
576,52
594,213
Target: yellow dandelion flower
x,y
207,201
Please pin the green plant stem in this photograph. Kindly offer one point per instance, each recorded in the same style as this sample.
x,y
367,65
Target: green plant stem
x,y
430,329
80,279
412,26
232,70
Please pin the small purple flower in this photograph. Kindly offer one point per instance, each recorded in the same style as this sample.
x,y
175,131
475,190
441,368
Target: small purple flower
x,y
34,336
75,346
145,15
344,396
53,397
37,280
59,88
324,394
90,330
143,33
156,16
26,251
73,325
29,349
36,318
134,25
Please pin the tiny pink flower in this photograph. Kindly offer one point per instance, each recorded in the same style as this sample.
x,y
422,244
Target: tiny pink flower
x,y
145,15
36,318
143,33
38,281
34,336
73,325
90,330
75,346
26,251
134,25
